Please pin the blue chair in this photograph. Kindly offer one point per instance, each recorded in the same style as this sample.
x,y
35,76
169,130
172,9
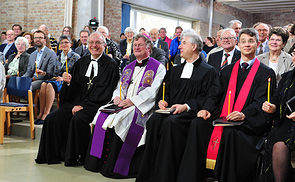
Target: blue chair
x,y
17,86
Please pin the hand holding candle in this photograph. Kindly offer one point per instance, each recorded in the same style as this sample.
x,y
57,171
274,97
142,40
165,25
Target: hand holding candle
x,y
164,91
107,50
229,102
268,90
121,91
36,68
67,64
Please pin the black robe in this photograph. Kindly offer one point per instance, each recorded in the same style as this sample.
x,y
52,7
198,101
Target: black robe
x,y
237,152
65,136
166,134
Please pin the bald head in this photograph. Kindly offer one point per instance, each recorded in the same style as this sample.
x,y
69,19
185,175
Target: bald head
x,y
44,28
154,33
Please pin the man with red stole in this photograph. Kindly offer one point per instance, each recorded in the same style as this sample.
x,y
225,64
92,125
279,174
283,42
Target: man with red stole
x,y
237,95
118,139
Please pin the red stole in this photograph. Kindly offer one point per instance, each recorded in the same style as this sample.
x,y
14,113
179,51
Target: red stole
x,y
215,139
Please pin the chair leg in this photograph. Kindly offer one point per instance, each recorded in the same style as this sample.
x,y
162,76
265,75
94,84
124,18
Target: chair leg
x,y
8,124
31,115
36,97
2,119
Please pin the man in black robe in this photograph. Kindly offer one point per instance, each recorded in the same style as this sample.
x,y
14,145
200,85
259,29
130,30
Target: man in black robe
x,y
237,154
66,131
186,88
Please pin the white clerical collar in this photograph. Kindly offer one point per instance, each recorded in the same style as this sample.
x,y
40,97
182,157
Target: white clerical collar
x,y
93,64
188,70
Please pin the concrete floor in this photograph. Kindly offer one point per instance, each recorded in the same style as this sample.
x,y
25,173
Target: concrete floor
x,y
17,156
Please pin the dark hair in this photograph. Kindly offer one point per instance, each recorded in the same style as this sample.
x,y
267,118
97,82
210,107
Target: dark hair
x,y
280,32
141,29
292,30
210,38
178,27
291,49
17,25
122,34
85,31
249,31
90,28
40,31
62,37
3,33
32,43
163,29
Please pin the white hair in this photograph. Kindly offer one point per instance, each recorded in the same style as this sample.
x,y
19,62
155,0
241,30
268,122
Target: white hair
x,y
128,29
104,28
232,22
25,40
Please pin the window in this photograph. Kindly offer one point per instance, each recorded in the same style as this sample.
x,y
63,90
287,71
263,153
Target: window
x,y
141,19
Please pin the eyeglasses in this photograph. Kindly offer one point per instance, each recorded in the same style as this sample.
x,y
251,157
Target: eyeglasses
x,y
96,43
21,44
9,34
249,41
139,45
38,37
61,43
66,31
275,40
293,53
227,38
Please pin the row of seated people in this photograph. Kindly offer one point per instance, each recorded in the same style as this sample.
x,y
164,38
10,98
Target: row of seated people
x,y
109,123
182,146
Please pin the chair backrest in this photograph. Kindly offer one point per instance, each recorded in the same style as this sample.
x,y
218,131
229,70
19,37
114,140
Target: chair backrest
x,y
19,86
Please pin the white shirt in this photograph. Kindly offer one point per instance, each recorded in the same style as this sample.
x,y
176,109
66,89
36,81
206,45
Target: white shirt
x,y
229,58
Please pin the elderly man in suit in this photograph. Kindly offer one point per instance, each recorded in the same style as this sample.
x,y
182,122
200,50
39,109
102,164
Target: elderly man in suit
x,y
8,48
263,30
83,49
41,62
229,54
159,43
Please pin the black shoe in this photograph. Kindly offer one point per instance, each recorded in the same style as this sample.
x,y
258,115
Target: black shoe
x,y
36,121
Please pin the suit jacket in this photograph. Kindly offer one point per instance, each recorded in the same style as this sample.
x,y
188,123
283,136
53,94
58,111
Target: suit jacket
x,y
47,64
163,45
285,63
123,47
266,48
157,54
10,51
215,59
23,63
79,50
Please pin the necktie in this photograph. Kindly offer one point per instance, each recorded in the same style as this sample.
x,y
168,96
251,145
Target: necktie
x,y
244,65
260,50
84,49
225,62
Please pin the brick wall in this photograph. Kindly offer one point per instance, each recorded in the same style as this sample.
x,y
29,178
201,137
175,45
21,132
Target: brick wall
x,y
31,14
275,19
112,18
75,19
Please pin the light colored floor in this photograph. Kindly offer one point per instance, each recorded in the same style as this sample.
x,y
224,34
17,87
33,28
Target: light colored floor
x,y
17,164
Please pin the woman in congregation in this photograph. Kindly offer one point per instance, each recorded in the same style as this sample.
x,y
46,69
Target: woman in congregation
x,y
18,62
30,38
64,62
277,59
281,139
67,30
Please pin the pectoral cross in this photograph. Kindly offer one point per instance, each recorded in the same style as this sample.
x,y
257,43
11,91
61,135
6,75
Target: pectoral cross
x,y
89,83
215,142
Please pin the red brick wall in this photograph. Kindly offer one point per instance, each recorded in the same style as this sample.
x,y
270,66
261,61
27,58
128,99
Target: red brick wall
x,y
275,19
31,14
112,18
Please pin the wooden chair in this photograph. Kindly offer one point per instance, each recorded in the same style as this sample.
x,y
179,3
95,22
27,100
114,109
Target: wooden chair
x,y
17,86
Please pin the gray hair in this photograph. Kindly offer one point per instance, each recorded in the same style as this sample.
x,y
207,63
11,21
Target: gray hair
x,y
104,28
251,32
194,38
146,39
232,22
25,40
128,29
62,37
229,30
100,34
